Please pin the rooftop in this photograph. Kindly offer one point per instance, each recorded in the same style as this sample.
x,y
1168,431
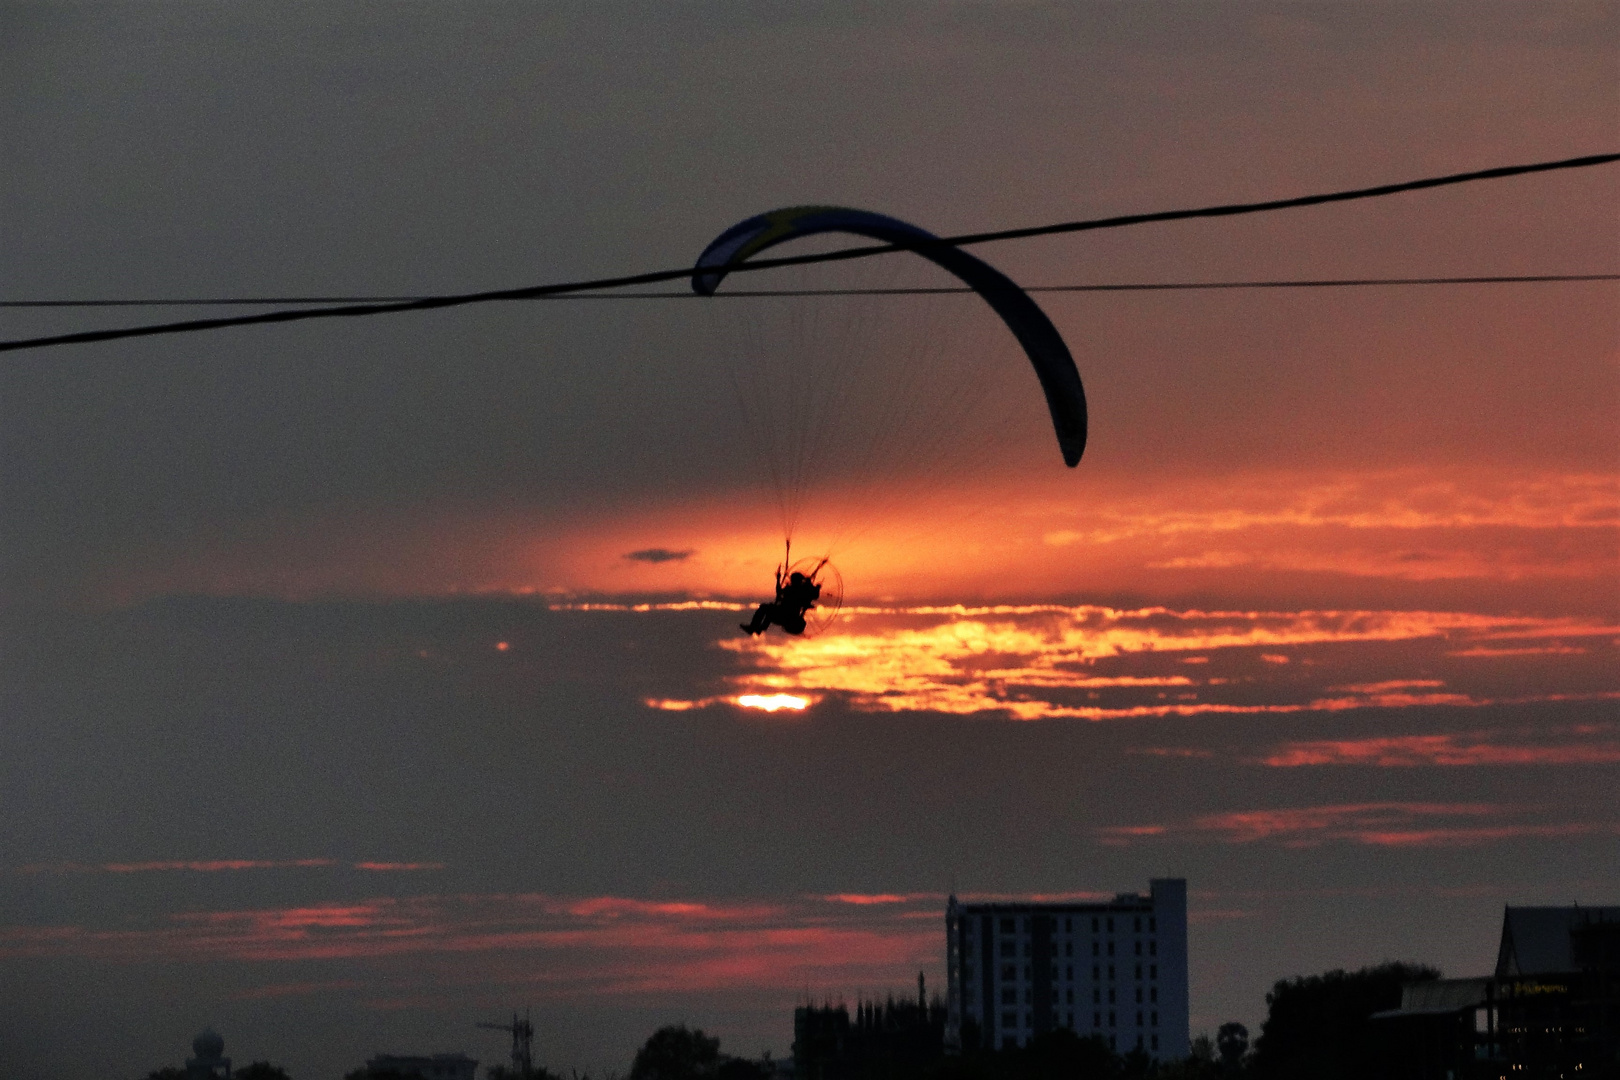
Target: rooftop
x,y
1536,940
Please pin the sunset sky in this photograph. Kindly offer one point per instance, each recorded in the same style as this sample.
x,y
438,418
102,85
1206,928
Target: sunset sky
x,y
365,679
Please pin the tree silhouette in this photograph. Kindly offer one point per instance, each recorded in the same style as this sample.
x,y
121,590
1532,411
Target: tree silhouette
x,y
677,1053
1232,1042
260,1070
735,1068
505,1072
1317,1027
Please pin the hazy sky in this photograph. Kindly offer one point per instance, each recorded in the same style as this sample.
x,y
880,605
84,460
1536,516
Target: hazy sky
x,y
335,715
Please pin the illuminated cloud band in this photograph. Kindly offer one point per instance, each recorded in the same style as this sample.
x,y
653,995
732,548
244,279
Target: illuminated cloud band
x,y
1043,662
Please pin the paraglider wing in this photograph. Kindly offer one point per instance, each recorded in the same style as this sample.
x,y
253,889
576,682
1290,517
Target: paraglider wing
x,y
1065,396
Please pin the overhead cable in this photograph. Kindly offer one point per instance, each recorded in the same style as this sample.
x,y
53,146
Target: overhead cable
x,y
754,294
427,303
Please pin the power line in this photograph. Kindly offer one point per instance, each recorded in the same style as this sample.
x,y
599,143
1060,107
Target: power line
x,y
427,303
748,294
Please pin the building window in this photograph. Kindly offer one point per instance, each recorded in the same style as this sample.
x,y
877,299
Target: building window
x,y
1138,948
1153,971
1096,1019
1110,1018
1026,924
1006,926
1155,1042
1096,949
1026,972
1153,995
1009,996
1068,948
1096,972
1009,948
1070,1021
1068,926
1110,996
1070,1000
1139,995
1028,996
1138,971
1054,973
1138,924
1068,973
1093,926
1110,972
1153,948
1138,1017
1153,926
1096,996
1008,971
1009,1020
1139,1042
1029,1020
1110,926
1155,1017
1026,948
1110,948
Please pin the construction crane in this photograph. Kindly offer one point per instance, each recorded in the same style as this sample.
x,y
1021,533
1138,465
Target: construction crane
x,y
522,1041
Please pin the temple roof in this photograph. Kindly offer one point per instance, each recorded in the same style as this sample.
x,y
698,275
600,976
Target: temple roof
x,y
1536,940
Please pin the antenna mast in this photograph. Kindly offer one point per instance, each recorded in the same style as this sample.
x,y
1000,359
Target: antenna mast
x,y
522,1043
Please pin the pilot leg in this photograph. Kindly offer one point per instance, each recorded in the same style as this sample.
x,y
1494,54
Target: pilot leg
x,y
762,619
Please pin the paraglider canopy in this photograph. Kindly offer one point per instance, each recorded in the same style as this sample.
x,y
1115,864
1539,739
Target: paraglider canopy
x,y
1065,396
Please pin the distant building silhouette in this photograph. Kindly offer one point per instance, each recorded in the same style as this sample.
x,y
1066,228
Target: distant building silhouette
x,y
1552,1007
436,1067
1558,989
209,1062
1117,969
889,1038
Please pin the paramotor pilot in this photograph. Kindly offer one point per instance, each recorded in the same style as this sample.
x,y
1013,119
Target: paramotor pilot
x,y
796,594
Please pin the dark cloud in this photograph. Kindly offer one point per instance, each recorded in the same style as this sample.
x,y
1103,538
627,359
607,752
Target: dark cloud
x,y
660,555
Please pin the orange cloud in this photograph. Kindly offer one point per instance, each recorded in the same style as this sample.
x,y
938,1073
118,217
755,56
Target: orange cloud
x,y
1376,824
868,899
678,704
1536,650
1404,499
1472,748
1039,662
1389,684
1023,535
590,945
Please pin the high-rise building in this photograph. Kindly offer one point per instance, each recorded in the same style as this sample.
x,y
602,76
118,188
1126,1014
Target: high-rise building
x,y
1116,969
